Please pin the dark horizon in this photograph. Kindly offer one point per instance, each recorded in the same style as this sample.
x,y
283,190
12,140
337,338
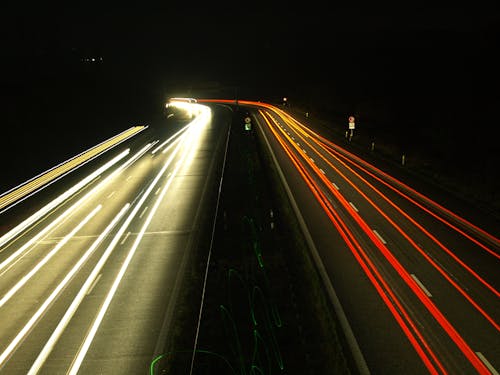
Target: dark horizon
x,y
428,71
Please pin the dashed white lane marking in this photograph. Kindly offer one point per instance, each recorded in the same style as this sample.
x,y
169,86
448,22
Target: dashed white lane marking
x,y
125,238
487,363
353,207
379,237
143,212
426,291
94,284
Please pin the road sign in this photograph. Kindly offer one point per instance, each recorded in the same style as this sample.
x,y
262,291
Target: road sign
x,y
351,122
248,123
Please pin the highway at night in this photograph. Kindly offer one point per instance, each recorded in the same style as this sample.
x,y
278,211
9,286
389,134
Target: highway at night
x,y
417,283
90,280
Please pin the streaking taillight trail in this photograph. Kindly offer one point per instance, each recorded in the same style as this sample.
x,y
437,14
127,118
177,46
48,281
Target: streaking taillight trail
x,y
404,274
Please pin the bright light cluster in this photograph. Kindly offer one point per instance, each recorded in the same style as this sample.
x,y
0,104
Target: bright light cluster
x,y
189,105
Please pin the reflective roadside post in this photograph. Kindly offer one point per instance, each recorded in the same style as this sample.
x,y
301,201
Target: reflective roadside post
x,y
248,124
352,125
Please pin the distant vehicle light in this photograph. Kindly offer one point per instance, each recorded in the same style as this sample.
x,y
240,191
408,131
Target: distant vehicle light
x,y
185,100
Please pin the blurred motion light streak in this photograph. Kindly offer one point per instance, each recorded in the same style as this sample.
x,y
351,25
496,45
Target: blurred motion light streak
x,y
53,252
47,349
50,206
77,204
398,186
431,307
188,141
382,288
7,352
440,269
25,189
178,133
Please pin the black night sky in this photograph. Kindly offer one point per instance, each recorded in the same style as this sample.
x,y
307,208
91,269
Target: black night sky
x,y
418,69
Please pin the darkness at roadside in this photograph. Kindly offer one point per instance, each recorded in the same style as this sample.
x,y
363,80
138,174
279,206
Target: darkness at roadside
x,y
422,79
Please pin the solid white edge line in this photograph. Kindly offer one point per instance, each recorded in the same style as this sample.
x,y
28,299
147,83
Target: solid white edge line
x,y
339,310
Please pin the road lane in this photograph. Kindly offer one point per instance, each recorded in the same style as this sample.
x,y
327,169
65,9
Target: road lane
x,y
404,243
144,276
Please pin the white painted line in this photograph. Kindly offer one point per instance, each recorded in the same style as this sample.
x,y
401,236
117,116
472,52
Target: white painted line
x,y
379,237
157,191
125,238
322,171
293,139
354,207
487,363
143,212
110,195
94,284
312,160
305,152
298,144
426,291
335,186
128,178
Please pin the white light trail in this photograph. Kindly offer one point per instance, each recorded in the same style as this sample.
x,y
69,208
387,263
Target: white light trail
x,y
37,215
56,334
75,205
100,316
53,174
47,257
170,139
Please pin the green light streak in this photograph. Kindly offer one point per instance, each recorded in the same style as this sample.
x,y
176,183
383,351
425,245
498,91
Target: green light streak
x,y
238,352
201,351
